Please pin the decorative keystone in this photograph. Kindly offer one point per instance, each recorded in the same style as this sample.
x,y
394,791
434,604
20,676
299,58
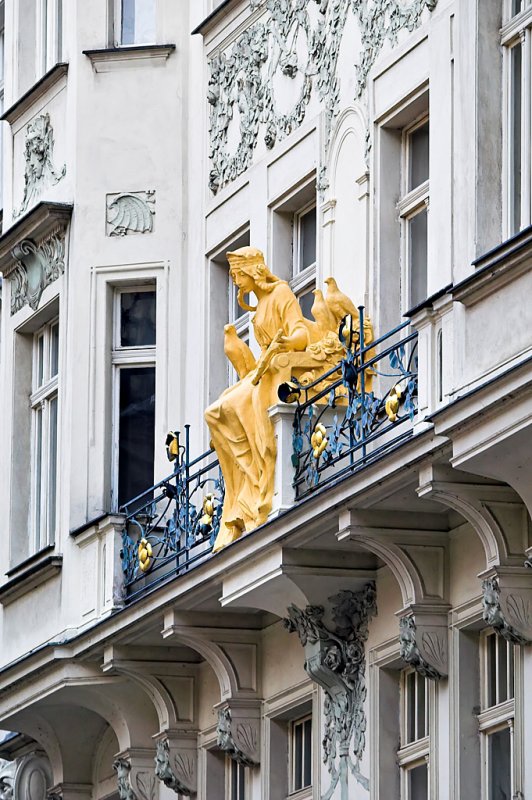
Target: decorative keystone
x,y
335,659
176,764
507,604
238,733
423,643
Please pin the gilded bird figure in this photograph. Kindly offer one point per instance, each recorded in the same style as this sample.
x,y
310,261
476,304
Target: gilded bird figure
x,y
238,352
323,315
339,303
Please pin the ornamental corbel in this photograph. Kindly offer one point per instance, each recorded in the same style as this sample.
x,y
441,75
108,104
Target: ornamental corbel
x,y
176,762
423,640
135,775
507,603
335,659
238,731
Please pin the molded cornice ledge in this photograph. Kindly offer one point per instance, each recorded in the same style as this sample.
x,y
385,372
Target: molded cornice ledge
x,y
109,59
43,220
49,79
496,268
29,578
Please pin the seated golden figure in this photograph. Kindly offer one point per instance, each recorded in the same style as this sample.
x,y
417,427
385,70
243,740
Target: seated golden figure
x,y
291,347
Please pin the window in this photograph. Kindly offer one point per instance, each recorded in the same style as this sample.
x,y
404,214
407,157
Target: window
x,y
50,31
238,317
517,41
497,717
2,71
134,388
413,211
413,755
44,407
134,22
237,778
304,258
300,753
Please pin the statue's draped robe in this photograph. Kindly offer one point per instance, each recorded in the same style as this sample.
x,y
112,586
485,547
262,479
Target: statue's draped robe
x,y
241,430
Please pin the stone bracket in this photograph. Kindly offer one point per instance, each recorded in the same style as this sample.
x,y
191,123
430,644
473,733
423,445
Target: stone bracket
x,y
507,602
423,639
238,731
135,774
176,761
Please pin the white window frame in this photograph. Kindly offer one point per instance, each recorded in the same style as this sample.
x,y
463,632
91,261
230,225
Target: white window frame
x,y
2,78
49,33
517,30
417,752
412,202
117,26
125,358
303,279
304,791
500,716
42,396
230,766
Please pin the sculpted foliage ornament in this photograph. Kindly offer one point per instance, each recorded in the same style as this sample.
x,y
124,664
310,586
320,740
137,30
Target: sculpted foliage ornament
x,y
37,267
299,40
411,649
239,739
178,773
335,659
39,172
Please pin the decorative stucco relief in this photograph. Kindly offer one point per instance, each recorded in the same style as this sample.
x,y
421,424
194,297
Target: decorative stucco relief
x,y
335,659
39,172
130,212
237,734
37,267
508,609
176,768
300,40
423,647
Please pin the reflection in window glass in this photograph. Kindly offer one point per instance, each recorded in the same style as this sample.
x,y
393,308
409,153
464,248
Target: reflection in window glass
x,y
137,22
136,441
137,319
417,226
500,765
418,156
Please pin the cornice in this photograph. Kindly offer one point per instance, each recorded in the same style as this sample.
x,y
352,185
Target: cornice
x,y
49,79
30,578
109,59
37,224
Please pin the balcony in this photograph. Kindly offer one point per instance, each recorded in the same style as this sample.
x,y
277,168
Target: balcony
x,y
348,418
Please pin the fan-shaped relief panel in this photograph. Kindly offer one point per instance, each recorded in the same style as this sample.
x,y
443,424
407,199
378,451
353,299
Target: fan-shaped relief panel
x,y
347,207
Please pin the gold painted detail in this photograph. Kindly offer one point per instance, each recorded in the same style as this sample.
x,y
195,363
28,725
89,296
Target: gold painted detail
x,y
394,400
295,352
145,555
319,440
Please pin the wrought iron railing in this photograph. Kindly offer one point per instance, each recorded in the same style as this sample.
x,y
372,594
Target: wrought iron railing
x,y
340,426
172,526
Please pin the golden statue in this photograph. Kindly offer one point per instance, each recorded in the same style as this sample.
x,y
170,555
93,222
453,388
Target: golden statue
x,y
292,347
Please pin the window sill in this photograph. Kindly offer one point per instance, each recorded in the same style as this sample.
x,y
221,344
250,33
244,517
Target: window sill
x,y
31,573
29,98
110,59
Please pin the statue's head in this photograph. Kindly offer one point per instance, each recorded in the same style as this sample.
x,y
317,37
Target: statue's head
x,y
248,271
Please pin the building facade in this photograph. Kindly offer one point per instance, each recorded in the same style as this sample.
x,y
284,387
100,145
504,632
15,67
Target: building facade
x,y
371,639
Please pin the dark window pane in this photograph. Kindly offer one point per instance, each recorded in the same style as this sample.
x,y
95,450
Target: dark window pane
x,y
418,156
241,782
54,350
503,671
421,706
136,433
511,668
137,319
500,765
38,477
410,707
515,138
307,229
491,642
298,757
306,301
418,783
52,470
418,258
307,753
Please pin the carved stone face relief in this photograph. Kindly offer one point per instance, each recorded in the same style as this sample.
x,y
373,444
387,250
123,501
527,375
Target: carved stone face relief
x,y
292,52
39,172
